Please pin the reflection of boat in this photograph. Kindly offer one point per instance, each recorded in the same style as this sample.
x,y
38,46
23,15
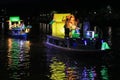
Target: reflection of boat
x,y
90,42
17,27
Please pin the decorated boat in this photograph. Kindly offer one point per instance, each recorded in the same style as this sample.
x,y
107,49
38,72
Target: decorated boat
x,y
67,34
17,28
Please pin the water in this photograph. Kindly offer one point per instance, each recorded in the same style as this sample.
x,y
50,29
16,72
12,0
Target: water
x,y
29,60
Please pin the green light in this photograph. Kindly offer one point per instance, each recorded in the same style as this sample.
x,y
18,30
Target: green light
x,y
90,38
104,73
75,35
96,35
51,22
105,46
14,18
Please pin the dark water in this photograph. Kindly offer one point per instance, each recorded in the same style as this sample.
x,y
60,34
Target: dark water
x,y
29,60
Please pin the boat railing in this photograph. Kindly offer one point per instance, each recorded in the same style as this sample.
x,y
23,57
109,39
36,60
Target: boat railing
x,y
76,43
58,41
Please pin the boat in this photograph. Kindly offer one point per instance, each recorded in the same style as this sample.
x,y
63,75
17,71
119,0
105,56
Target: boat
x,y
73,41
17,28
76,45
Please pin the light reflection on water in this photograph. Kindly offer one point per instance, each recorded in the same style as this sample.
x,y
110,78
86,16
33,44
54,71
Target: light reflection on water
x,y
30,60
18,58
64,67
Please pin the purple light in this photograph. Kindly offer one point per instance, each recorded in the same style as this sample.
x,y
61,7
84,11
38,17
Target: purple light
x,y
85,42
102,41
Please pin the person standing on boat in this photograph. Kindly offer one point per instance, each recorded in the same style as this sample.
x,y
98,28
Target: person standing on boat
x,y
22,26
66,27
86,27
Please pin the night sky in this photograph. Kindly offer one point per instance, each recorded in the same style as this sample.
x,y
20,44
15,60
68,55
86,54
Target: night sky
x,y
56,3
31,6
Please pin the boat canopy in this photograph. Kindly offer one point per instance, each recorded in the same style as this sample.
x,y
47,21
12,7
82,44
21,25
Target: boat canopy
x,y
14,18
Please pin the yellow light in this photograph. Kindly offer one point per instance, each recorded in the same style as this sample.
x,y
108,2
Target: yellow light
x,y
58,25
27,30
57,69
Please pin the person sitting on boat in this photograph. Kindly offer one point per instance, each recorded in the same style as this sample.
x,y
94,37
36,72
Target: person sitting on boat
x,y
74,29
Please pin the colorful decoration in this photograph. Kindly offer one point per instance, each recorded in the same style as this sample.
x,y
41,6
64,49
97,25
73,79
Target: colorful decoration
x,y
14,18
105,46
58,23
65,22
17,27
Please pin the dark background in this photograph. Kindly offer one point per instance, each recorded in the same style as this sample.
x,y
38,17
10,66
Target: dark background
x,y
31,6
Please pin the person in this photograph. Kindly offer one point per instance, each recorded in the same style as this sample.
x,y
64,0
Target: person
x,y
74,27
22,26
70,26
86,27
66,28
28,28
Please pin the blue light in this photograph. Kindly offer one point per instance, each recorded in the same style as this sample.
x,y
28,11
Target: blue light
x,y
102,41
85,42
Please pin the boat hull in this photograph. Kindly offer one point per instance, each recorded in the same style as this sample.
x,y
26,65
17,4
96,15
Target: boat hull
x,y
65,45
18,34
